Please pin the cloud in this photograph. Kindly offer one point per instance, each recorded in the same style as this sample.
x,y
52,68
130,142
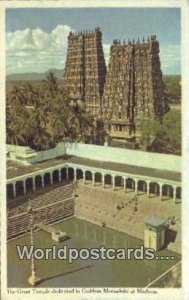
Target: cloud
x,y
36,50
106,49
170,57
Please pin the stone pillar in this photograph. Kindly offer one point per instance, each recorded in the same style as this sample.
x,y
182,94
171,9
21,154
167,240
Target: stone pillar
x,y
160,191
136,186
103,180
51,178
75,174
148,189
42,181
59,175
33,181
174,193
113,181
93,178
24,186
14,189
84,177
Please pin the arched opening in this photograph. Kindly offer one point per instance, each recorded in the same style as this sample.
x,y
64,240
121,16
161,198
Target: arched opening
x,y
130,184
167,192
29,185
79,174
118,182
10,193
19,188
142,187
108,179
98,178
47,179
38,182
63,174
88,176
178,193
70,174
154,189
55,176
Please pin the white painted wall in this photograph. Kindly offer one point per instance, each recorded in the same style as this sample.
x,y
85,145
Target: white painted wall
x,y
59,150
125,156
27,155
101,153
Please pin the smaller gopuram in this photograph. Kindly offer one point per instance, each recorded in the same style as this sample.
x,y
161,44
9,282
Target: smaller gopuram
x,y
134,89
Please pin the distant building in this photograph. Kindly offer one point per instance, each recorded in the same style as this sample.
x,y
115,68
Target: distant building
x,y
130,91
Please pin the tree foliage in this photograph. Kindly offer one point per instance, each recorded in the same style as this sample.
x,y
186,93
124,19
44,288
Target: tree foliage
x,y
173,88
162,136
40,116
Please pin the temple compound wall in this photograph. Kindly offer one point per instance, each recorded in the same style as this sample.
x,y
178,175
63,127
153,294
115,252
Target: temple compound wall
x,y
137,158
129,91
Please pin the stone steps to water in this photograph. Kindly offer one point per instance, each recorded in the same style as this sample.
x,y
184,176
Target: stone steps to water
x,y
48,208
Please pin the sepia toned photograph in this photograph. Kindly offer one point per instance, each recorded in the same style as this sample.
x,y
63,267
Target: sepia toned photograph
x,y
93,149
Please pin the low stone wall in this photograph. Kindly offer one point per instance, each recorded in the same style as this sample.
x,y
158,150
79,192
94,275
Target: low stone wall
x,y
125,156
170,279
100,153
29,156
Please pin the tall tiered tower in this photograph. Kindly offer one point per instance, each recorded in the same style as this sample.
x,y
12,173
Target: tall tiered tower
x,y
134,90
85,70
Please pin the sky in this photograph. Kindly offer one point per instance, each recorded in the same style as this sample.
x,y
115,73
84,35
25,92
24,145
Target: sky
x,y
36,38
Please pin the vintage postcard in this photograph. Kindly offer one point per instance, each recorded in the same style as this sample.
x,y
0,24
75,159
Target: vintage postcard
x,y
94,150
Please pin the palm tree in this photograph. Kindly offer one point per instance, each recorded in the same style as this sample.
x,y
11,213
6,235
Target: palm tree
x,y
80,123
17,96
14,136
51,84
42,139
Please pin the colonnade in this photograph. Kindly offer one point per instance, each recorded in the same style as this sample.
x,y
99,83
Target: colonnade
x,y
147,185
127,182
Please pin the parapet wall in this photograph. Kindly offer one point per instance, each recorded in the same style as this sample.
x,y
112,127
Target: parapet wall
x,y
28,156
125,156
100,153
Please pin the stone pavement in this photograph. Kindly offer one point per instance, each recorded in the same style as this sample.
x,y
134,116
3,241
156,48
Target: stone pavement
x,y
121,211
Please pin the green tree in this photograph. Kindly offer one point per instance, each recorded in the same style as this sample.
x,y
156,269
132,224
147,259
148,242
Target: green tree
x,y
80,123
168,137
149,129
51,84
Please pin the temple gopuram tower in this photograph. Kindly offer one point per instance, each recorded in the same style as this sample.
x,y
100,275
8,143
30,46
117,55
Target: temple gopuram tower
x,y
134,89
85,70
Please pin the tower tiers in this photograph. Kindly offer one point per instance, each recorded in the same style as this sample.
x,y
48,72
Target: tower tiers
x,y
85,70
134,89
130,91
